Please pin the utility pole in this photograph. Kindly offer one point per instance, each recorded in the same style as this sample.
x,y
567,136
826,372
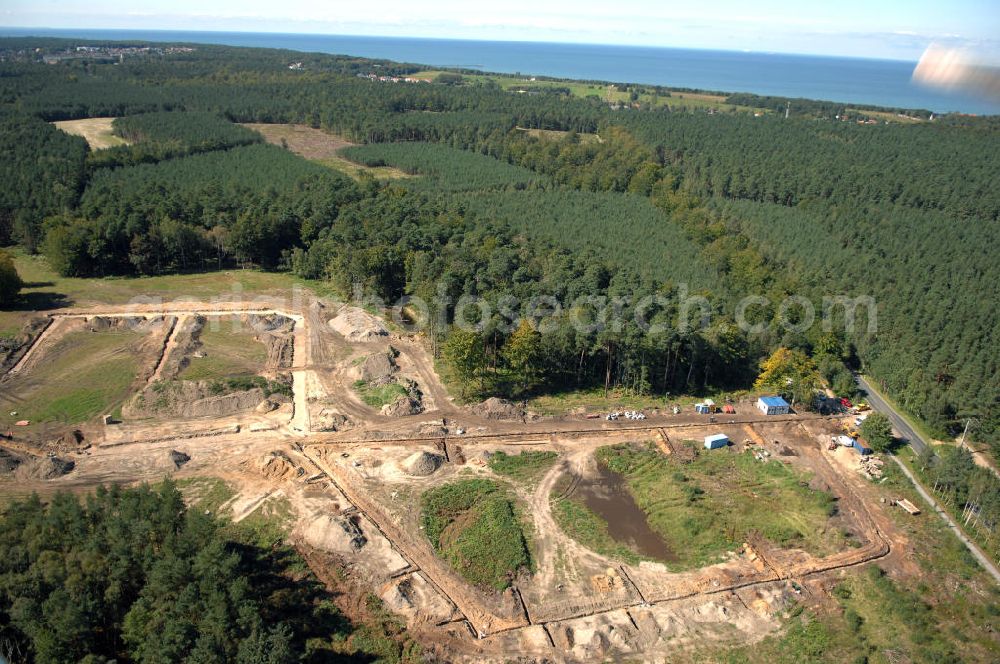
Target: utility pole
x,y
966,431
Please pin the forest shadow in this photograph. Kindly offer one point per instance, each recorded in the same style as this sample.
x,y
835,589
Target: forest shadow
x,y
298,599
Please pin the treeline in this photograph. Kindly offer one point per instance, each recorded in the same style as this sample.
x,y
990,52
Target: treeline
x,y
884,186
813,107
935,338
131,575
41,174
252,204
969,491
395,243
168,134
446,169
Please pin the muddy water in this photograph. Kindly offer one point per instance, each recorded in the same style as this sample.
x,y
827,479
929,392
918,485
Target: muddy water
x,y
606,494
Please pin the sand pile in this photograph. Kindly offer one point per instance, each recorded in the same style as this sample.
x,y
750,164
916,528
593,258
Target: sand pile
x,y
44,468
422,464
495,408
277,465
358,325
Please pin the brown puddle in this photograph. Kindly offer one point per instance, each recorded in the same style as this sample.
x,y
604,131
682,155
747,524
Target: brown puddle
x,y
606,494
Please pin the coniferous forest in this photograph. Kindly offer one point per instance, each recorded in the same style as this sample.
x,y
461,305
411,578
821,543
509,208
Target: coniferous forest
x,y
523,195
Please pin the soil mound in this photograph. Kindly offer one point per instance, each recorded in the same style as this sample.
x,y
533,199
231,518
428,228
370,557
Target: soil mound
x,y
13,348
328,419
190,399
378,369
403,406
178,458
335,533
280,350
186,342
358,325
9,461
44,468
495,408
278,466
269,323
422,464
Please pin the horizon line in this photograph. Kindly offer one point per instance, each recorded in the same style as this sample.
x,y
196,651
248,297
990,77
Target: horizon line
x,y
457,39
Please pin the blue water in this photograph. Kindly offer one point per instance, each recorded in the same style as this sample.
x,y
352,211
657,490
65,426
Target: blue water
x,y
853,80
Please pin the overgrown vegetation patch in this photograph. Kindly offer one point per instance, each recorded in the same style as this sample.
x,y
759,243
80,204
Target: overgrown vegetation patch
x,y
709,506
526,466
472,524
377,396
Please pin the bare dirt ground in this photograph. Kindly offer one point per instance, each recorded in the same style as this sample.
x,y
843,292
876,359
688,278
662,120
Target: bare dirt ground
x,y
320,146
97,132
342,467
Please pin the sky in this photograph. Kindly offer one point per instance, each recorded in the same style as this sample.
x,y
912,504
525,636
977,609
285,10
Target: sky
x,y
896,29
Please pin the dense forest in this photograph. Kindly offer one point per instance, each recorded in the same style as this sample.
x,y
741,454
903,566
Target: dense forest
x,y
132,575
526,195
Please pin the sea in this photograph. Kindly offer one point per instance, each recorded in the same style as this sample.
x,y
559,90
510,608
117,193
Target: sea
x,y
848,80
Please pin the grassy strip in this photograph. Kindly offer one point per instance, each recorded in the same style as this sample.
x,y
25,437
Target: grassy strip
x,y
708,507
472,525
527,466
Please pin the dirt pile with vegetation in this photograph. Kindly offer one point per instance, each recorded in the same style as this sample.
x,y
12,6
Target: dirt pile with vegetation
x,y
472,524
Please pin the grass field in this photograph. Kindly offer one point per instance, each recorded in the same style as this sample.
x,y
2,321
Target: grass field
x,y
323,148
83,375
230,351
473,525
608,93
45,289
706,508
97,132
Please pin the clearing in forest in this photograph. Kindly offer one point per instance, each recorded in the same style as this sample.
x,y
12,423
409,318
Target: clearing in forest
x,y
97,132
321,147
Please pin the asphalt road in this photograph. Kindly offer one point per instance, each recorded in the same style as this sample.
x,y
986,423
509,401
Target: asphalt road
x,y
919,444
904,430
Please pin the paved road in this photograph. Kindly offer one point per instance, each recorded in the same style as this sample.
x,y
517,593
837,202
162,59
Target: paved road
x,y
919,444
906,432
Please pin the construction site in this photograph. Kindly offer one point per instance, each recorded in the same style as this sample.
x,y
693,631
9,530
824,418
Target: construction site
x,y
328,409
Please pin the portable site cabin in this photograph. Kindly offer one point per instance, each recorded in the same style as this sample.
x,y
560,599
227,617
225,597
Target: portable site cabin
x,y
716,440
705,407
773,406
